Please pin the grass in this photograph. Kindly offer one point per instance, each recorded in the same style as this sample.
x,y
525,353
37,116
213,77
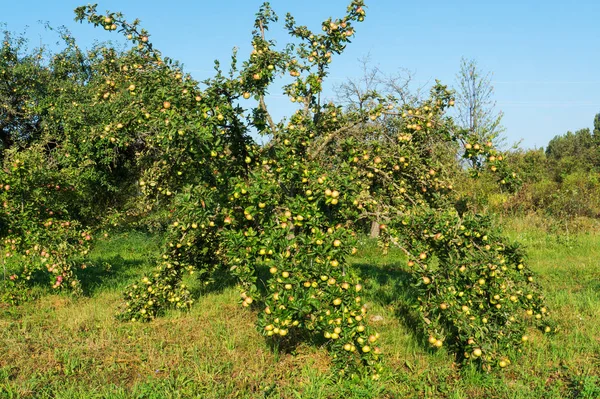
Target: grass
x,y
63,347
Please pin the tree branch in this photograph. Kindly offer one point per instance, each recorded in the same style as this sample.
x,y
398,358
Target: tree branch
x,y
332,136
263,107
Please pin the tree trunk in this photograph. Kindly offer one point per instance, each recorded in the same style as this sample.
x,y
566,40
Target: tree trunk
x,y
374,229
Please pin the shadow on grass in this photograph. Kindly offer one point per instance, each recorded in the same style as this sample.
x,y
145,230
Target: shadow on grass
x,y
390,286
111,272
200,286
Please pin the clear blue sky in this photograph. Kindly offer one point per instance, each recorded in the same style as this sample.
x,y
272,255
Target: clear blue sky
x,y
544,54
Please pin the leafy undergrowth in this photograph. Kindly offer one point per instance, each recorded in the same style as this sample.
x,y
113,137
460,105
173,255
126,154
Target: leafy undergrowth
x,y
63,347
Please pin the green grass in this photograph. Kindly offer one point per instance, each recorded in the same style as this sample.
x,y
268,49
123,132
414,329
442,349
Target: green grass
x,y
63,347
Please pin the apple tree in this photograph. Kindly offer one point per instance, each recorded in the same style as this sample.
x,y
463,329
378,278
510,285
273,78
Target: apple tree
x,y
283,218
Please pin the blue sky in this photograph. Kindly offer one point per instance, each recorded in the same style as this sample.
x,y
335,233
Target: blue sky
x,y
544,55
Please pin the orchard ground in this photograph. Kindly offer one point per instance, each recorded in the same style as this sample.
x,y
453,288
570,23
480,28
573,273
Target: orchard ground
x,y
63,347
